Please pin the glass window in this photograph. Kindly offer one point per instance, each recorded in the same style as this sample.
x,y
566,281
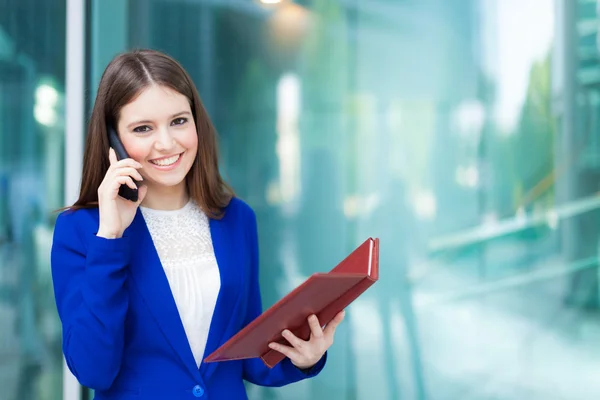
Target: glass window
x,y
32,79
463,134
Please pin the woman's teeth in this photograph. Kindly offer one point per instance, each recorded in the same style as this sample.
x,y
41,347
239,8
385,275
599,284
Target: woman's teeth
x,y
165,162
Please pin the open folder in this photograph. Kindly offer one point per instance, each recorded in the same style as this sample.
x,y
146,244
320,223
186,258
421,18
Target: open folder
x,y
322,294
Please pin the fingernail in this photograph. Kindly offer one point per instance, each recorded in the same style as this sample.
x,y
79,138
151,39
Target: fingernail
x,y
313,317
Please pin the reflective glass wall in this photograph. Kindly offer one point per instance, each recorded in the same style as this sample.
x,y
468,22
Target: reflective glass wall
x,y
32,77
463,134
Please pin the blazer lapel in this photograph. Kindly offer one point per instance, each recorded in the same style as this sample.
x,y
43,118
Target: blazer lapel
x,y
228,300
151,281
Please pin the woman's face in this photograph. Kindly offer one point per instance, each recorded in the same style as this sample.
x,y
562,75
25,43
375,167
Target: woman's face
x,y
158,131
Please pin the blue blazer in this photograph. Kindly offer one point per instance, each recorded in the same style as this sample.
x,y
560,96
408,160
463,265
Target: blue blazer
x,y
122,334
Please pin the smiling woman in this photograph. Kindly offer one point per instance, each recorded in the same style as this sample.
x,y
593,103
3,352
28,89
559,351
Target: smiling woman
x,y
146,288
159,132
158,113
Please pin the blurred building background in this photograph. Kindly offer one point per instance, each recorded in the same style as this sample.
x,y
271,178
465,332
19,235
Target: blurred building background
x,y
465,134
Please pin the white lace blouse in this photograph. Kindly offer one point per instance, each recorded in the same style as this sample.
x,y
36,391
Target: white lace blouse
x,y
184,245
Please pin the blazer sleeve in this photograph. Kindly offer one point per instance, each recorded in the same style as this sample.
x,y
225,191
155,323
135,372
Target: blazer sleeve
x,y
254,370
88,277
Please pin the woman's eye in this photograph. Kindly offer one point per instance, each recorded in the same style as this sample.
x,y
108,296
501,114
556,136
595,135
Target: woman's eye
x,y
142,129
179,121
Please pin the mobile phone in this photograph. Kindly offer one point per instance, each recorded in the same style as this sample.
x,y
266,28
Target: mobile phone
x,y
124,191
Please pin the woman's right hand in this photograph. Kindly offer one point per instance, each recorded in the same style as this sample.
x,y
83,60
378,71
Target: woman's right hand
x,y
117,213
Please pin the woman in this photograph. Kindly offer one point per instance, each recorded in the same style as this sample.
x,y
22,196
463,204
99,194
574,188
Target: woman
x,y
146,289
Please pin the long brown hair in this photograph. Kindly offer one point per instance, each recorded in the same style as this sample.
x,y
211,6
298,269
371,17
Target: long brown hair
x,y
122,81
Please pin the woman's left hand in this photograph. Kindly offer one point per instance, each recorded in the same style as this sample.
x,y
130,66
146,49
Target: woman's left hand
x,y
304,354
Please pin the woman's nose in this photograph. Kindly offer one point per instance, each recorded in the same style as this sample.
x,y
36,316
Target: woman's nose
x,y
165,140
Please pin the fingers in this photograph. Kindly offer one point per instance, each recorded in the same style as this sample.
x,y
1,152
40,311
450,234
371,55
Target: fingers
x,y
112,156
142,190
287,351
293,339
298,352
126,162
332,325
124,176
125,180
129,171
305,354
315,327
127,167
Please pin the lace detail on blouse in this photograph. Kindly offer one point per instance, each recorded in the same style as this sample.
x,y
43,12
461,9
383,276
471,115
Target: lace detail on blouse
x,y
184,245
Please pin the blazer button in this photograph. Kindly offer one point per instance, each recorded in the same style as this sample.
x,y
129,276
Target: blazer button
x,y
198,391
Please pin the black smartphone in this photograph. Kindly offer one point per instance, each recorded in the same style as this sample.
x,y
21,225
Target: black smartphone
x,y
124,191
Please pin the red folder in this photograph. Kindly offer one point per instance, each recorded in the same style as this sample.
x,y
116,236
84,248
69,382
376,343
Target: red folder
x,y
322,294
